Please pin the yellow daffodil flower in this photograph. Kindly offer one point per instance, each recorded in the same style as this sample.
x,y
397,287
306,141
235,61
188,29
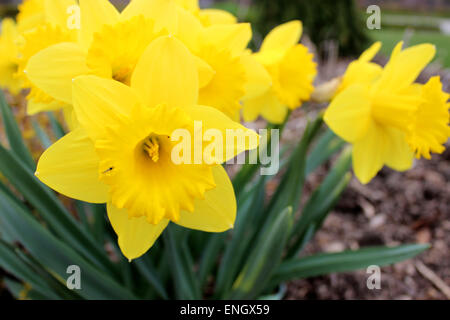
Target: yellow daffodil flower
x,y
42,23
388,118
121,152
292,71
110,43
8,56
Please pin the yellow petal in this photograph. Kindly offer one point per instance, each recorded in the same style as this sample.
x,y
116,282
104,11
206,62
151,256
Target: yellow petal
x,y
94,15
205,72
399,155
405,67
70,166
349,113
258,79
166,73
266,105
53,69
34,107
274,111
99,103
135,235
56,11
217,16
164,12
370,53
212,119
190,29
217,212
279,40
233,37
369,153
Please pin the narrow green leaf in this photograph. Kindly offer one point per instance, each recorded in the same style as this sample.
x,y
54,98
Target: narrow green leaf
x,y
328,144
11,262
290,188
322,200
56,255
243,232
263,259
57,128
14,135
148,271
60,221
209,258
344,261
183,274
41,134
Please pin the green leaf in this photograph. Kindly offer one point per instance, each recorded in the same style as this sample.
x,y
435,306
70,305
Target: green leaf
x,y
14,135
60,221
57,255
148,271
41,134
186,284
245,227
344,261
290,188
209,258
248,170
263,259
11,262
322,201
57,128
328,144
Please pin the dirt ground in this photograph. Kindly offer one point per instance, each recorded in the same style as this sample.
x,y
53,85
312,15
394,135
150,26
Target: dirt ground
x,y
395,208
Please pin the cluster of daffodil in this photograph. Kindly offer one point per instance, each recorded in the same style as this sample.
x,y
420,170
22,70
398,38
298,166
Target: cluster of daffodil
x,y
385,115
126,80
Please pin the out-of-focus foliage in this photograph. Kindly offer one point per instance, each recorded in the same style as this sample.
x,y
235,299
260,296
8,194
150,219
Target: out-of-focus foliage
x,y
323,21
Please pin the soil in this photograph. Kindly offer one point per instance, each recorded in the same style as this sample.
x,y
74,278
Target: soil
x,y
394,208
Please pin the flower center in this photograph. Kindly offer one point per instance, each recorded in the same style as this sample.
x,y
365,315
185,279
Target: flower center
x,y
151,147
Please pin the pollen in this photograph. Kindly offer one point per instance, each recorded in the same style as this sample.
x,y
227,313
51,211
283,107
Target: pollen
x,y
151,148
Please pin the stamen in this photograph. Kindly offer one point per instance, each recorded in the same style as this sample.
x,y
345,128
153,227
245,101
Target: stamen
x,y
151,147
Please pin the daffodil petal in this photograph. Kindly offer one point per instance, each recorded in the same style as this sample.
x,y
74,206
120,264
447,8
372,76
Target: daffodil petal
x,y
56,11
370,53
190,29
217,16
166,73
233,37
94,15
71,167
405,67
369,153
99,103
213,119
217,212
36,107
400,156
258,79
266,105
135,235
162,11
349,113
53,69
205,72
283,37
274,111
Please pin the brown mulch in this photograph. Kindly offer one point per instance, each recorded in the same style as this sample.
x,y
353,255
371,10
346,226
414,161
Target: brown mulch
x,y
395,208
